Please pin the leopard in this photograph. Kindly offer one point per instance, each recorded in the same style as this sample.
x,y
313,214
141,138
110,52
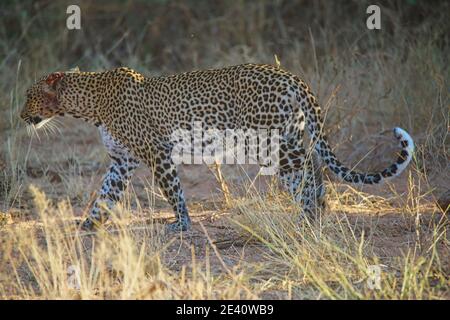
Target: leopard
x,y
137,114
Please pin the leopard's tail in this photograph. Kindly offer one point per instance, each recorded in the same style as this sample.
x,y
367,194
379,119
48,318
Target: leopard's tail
x,y
314,124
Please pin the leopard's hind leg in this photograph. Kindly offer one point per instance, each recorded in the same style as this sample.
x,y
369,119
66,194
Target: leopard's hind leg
x,y
300,171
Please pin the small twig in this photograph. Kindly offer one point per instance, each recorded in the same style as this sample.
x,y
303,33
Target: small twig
x,y
223,184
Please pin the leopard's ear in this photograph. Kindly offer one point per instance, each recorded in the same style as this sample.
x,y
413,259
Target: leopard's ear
x,y
51,82
53,79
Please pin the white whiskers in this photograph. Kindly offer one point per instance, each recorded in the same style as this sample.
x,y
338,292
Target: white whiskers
x,y
48,126
28,130
53,126
34,132
43,123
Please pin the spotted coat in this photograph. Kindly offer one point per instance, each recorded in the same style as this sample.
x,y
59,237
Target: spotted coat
x,y
137,115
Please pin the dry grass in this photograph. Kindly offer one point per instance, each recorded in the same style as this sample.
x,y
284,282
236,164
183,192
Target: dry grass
x,y
252,246
331,258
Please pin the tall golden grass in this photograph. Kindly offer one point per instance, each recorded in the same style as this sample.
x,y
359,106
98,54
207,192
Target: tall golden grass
x,y
367,82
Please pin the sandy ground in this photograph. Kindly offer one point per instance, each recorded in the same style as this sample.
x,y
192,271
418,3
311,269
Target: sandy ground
x,y
81,154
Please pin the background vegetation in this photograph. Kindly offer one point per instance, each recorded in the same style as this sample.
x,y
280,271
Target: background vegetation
x,y
250,246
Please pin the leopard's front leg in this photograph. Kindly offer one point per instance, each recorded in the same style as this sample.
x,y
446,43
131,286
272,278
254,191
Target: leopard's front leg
x,y
120,171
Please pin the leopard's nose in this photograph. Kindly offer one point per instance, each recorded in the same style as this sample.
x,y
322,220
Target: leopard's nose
x,y
35,119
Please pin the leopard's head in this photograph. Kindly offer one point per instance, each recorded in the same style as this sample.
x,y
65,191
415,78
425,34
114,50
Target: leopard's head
x,y
42,99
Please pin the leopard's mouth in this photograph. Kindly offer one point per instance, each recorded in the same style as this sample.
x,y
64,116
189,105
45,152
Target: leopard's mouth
x,y
34,120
